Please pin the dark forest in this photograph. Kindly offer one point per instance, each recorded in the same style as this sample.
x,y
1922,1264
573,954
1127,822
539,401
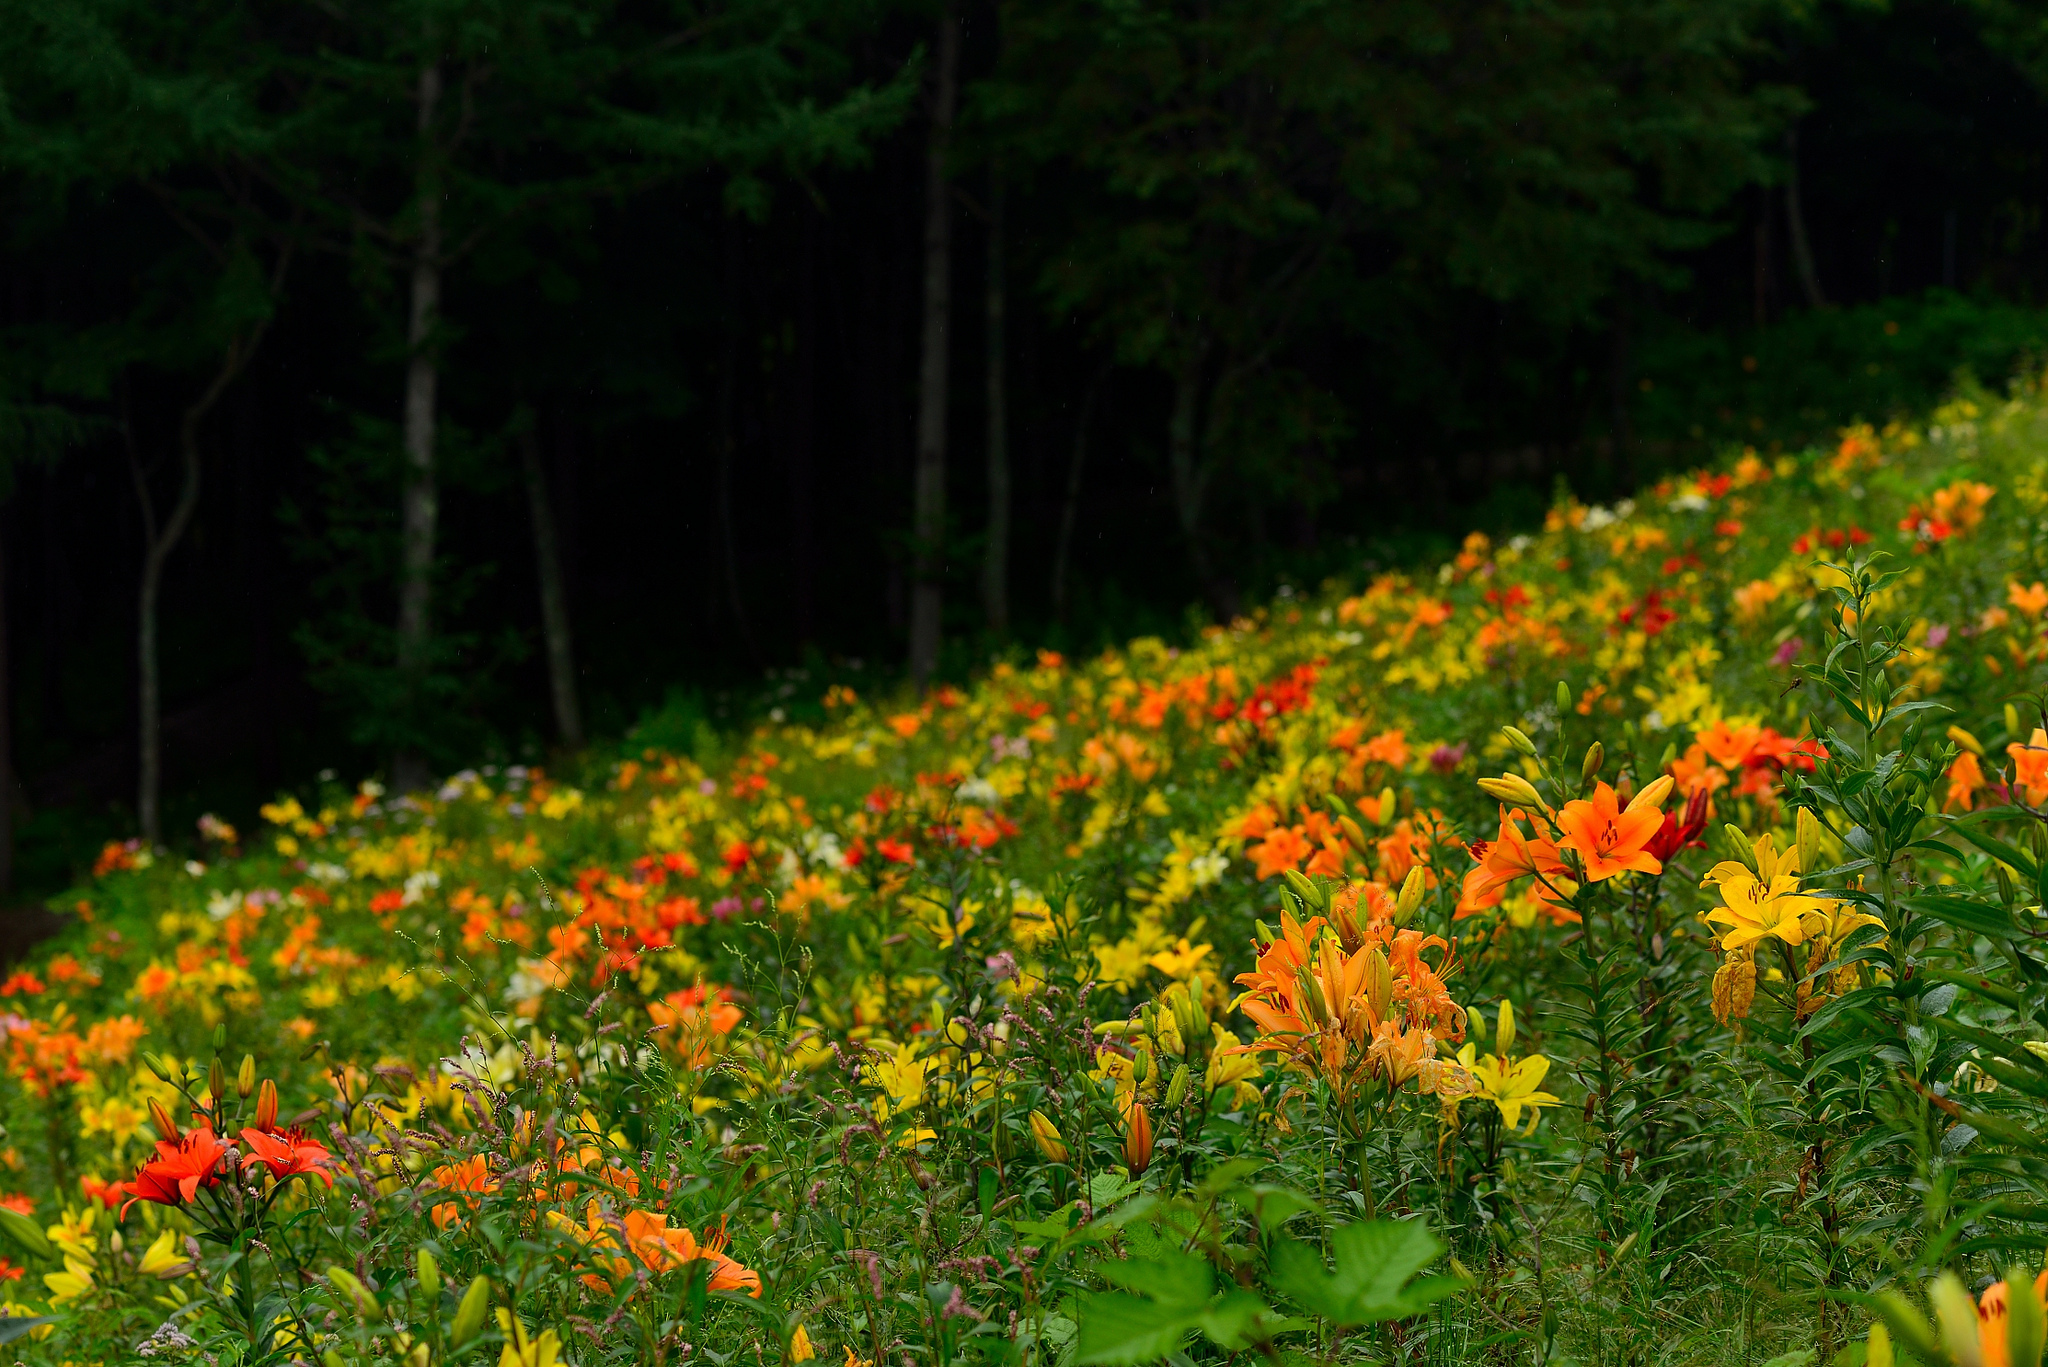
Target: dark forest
x,y
398,384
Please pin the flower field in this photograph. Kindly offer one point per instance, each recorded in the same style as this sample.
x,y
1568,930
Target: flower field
x,y
1622,944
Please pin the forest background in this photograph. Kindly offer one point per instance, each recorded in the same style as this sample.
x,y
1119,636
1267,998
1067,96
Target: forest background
x,y
393,385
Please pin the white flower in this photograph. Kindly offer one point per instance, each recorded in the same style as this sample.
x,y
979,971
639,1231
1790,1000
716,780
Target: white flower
x,y
419,884
1689,503
822,847
222,905
978,791
320,871
195,868
1207,868
1596,518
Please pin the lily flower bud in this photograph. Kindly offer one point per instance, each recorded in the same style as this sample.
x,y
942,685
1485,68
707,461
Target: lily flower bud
x,y
1409,901
350,1285
216,1079
1178,1088
1305,888
1379,982
1311,995
1137,1139
1564,696
430,1276
1047,1136
1512,789
245,1079
160,1119
1518,739
1739,843
1141,1066
1504,1036
2012,720
1264,933
266,1106
1354,833
1966,740
1806,828
469,1316
1388,809
1596,755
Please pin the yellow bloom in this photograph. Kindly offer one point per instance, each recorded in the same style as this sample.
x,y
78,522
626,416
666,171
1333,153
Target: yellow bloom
x,y
162,1256
1766,902
800,1349
1050,1142
1508,1082
522,1350
74,1281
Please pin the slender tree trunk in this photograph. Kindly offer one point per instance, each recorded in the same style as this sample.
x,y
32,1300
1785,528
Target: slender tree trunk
x,y
1795,219
995,569
554,598
419,506
1191,472
1070,501
6,741
928,521
158,541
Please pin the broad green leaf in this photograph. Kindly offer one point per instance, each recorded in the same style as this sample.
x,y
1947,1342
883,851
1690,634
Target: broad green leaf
x,y
13,1327
1374,1265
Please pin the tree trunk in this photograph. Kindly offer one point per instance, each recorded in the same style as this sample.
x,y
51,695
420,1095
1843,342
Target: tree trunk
x,y
419,507
928,521
6,742
1795,219
554,599
1191,471
995,569
1070,501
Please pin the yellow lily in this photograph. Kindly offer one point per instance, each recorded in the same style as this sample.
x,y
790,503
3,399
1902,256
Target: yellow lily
x,y
163,1256
523,1350
1764,903
74,1281
1509,1083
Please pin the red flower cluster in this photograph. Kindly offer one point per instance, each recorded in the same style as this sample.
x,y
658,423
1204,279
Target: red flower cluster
x,y
199,1159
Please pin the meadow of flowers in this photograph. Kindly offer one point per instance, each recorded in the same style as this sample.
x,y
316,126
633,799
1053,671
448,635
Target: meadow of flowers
x,y
1620,944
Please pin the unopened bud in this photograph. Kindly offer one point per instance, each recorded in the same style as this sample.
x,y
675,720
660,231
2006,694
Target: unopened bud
x,y
1519,740
1353,832
220,1036
469,1316
350,1285
430,1275
157,1065
1409,901
1564,696
266,1106
1379,983
1178,1088
1504,1035
2012,720
2007,893
1047,1136
1807,836
1740,844
216,1079
1966,740
1138,1139
160,1120
1304,887
1596,755
1669,757
1263,933
1311,995
1141,1066
1388,807
1512,789
245,1078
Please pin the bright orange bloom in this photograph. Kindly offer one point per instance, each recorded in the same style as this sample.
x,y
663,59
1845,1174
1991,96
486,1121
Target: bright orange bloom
x,y
1284,848
287,1153
1510,856
1993,1308
1609,838
470,1175
2032,601
1728,746
181,1167
2030,768
660,1248
1965,781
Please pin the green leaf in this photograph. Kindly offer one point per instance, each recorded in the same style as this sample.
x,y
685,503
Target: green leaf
x,y
1971,917
1372,1281
1117,1328
13,1327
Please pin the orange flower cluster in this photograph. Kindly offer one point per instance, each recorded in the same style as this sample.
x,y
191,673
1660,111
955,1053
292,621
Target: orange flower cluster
x,y
196,1159
657,1246
1355,1005
46,1055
